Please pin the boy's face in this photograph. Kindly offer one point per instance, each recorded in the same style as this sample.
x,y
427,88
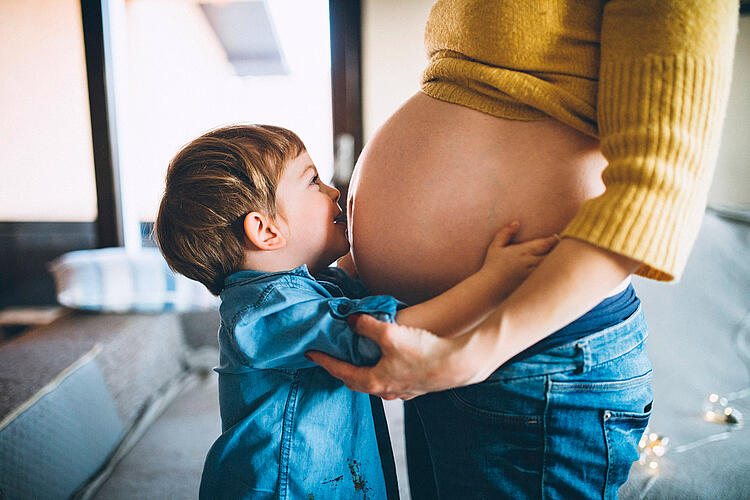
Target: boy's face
x,y
309,211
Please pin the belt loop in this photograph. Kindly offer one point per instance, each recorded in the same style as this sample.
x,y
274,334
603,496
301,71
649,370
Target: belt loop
x,y
585,356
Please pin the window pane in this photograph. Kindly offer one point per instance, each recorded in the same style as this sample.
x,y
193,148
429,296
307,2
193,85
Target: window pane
x,y
45,130
182,81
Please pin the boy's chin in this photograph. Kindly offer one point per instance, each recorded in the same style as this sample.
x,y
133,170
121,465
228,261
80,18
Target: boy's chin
x,y
343,250
329,259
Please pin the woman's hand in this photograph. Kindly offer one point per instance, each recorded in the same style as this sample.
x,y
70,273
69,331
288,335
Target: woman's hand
x,y
413,361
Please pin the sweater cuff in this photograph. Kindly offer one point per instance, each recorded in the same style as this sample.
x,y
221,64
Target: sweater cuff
x,y
636,222
660,121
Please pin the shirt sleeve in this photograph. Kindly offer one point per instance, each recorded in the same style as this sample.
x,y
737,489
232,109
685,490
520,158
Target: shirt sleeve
x,y
664,76
277,332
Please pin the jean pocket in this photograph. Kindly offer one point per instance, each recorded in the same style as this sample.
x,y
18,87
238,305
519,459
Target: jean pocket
x,y
486,412
502,440
518,402
622,431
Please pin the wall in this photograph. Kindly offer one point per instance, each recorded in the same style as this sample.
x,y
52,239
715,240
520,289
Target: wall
x,y
731,184
393,56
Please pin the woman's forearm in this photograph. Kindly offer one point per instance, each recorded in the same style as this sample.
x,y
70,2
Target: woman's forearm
x,y
573,278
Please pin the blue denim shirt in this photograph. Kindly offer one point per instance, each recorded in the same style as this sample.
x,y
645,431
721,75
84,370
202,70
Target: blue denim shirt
x,y
289,429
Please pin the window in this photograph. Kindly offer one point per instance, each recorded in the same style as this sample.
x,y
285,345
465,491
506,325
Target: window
x,y
190,67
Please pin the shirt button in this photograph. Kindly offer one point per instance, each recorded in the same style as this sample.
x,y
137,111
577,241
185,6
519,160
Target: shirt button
x,y
344,308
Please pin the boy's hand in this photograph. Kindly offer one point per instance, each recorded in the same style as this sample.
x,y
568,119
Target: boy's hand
x,y
510,264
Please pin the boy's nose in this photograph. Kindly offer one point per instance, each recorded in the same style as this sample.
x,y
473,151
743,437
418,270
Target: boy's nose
x,y
334,193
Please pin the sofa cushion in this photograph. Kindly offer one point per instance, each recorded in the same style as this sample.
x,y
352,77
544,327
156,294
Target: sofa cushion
x,y
117,280
52,442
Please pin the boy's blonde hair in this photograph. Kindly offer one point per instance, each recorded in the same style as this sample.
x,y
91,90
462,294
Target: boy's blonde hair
x,y
212,183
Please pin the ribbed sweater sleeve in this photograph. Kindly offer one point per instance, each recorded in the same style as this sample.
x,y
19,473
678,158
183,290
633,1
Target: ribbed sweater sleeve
x,y
664,80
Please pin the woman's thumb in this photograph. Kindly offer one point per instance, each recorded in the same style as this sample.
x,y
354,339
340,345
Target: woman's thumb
x,y
367,326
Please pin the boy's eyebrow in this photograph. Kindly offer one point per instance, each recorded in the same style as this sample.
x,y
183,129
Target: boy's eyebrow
x,y
306,169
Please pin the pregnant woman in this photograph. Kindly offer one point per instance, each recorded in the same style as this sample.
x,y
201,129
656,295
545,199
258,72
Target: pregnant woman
x,y
596,120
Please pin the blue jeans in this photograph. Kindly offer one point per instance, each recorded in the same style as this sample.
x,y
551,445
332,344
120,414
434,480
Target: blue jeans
x,y
564,423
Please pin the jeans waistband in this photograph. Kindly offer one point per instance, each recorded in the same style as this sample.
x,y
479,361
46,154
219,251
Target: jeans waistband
x,y
583,353
609,312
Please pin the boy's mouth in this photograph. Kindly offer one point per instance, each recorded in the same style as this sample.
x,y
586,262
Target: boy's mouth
x,y
340,219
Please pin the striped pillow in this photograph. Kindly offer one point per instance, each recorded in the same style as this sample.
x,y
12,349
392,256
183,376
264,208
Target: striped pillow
x,y
117,280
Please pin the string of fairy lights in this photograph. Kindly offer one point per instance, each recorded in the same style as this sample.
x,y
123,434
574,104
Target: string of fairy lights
x,y
716,408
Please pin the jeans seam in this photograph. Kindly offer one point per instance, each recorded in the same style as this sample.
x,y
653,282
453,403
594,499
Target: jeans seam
x,y
555,371
609,452
545,436
429,450
611,360
609,386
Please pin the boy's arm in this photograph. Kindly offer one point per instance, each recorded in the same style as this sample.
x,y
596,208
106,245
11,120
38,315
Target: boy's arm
x,y
275,333
468,303
458,309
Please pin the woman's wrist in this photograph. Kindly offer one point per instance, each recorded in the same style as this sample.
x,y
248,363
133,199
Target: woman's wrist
x,y
473,356
573,278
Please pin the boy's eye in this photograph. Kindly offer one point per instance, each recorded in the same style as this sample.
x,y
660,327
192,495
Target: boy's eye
x,y
314,179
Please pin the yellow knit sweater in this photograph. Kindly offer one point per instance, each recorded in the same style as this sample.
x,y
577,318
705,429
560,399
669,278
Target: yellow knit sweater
x,y
649,78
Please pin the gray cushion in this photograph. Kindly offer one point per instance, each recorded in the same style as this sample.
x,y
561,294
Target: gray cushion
x,y
60,436
140,354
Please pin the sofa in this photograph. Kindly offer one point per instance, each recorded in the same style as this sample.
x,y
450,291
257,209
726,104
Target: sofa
x,y
77,394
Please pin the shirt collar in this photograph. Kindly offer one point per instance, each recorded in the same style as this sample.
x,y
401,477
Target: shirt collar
x,y
247,276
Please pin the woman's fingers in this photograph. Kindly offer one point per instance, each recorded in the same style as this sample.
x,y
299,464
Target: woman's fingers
x,y
369,327
413,361
356,378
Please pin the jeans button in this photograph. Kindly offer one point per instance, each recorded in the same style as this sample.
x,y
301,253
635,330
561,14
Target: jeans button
x,y
607,415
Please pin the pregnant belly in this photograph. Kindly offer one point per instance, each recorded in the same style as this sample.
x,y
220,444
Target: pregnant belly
x,y
438,180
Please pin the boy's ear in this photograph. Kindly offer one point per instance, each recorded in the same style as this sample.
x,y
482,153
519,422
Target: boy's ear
x,y
263,232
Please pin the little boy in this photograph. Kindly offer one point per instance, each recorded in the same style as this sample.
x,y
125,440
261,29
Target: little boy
x,y
245,213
